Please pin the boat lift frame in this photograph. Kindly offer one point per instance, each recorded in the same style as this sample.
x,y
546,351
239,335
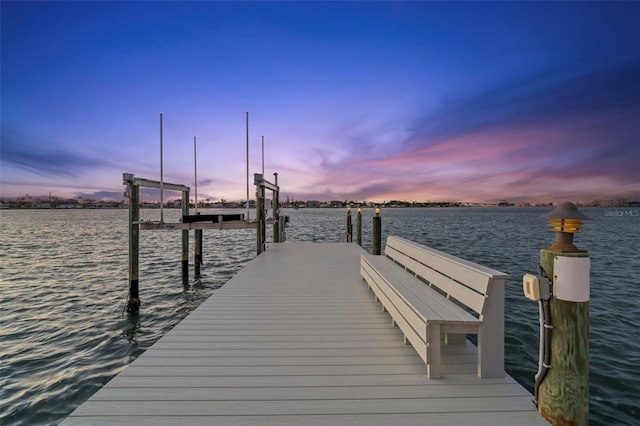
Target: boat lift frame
x,y
196,222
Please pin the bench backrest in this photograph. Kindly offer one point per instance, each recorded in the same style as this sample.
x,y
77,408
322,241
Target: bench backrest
x,y
459,280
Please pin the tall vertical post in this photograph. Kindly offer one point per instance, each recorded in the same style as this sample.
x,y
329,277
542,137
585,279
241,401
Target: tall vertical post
x,y
563,394
259,220
185,238
359,227
283,222
349,226
161,177
247,167
133,300
197,246
195,173
377,233
276,211
263,218
197,252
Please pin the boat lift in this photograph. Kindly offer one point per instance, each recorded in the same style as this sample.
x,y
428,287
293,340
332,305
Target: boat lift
x,y
196,222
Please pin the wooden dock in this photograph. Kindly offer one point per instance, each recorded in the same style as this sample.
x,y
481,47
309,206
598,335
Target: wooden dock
x,y
296,338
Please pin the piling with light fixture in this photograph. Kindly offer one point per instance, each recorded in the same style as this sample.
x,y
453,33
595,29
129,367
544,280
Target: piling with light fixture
x,y
563,394
377,233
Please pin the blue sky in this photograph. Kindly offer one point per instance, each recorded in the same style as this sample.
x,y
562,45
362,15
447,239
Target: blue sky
x,y
356,100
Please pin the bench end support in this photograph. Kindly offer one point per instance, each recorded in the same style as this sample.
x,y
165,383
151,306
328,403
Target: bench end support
x,y
491,333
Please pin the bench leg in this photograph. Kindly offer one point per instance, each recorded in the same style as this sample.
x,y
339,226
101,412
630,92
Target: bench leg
x,y
433,351
491,335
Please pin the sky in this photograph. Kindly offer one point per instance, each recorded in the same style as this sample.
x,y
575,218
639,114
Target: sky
x,y
376,101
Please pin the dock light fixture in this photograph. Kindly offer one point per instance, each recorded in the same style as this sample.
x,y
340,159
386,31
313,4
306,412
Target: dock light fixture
x,y
565,220
377,211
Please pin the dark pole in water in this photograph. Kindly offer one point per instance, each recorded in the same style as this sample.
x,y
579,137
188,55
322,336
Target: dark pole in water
x,y
197,246
263,221
185,238
259,220
377,233
349,226
197,255
133,300
276,212
359,227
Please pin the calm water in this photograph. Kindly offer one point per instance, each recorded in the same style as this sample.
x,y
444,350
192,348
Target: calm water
x,y
63,277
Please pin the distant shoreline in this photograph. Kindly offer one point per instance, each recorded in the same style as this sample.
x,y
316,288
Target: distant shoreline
x,y
124,206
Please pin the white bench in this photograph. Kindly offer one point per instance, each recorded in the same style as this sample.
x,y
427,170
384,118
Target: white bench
x,y
432,295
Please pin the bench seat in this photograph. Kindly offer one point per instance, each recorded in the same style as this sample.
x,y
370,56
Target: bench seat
x,y
421,302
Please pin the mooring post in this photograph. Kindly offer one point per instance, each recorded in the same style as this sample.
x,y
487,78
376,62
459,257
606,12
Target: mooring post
x,y
201,250
259,220
349,225
185,238
276,212
133,299
283,223
263,225
563,397
197,252
377,233
359,226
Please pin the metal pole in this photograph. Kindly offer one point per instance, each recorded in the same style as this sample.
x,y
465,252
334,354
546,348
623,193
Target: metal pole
x,y
133,300
195,172
377,233
563,396
161,176
247,167
263,156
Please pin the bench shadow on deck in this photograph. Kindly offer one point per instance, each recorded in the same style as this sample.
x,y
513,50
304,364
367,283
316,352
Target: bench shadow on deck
x,y
296,338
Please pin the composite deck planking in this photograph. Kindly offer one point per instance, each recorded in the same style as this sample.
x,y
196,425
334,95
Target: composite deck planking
x,y
296,338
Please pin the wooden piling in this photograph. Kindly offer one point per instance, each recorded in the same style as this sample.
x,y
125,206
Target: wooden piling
x,y
260,225
185,238
359,227
263,226
349,226
133,300
282,223
564,393
197,252
276,212
377,233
